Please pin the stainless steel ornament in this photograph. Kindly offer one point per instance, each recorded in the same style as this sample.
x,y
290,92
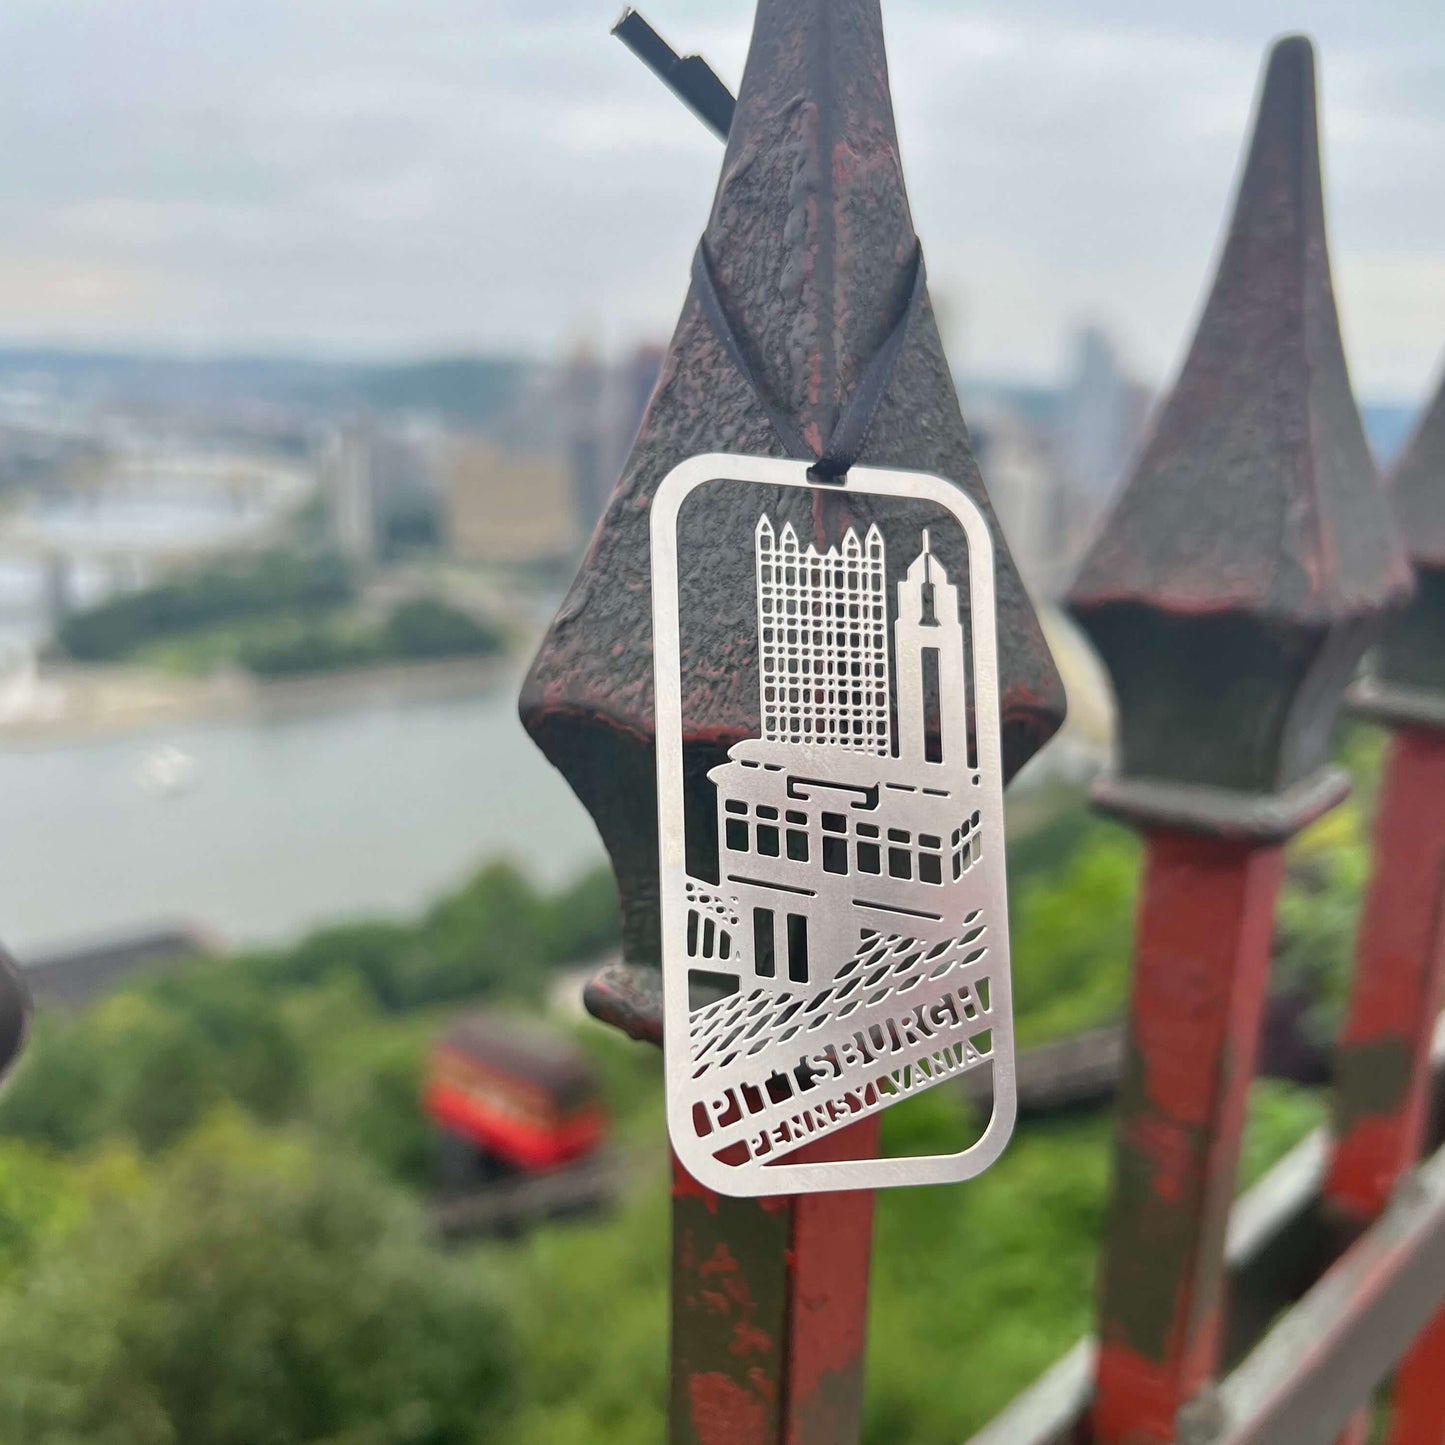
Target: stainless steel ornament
x,y
834,900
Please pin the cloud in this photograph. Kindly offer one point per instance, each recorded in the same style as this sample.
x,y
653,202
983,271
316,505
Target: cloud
x,y
360,175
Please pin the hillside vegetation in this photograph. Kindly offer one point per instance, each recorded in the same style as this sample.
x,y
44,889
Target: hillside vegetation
x,y
211,1229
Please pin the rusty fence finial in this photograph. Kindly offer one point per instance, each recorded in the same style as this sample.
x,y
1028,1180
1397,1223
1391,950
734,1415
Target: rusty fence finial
x,y
1247,564
1405,683
812,246
811,249
1231,592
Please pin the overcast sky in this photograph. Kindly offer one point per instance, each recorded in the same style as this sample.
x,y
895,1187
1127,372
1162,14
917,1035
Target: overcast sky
x,y
380,176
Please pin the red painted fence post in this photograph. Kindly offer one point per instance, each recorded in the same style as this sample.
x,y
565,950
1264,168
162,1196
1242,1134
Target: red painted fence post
x,y
1384,1057
742,1266
1231,592
1201,962
812,247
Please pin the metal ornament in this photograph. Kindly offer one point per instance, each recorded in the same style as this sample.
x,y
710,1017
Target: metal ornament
x,y
834,900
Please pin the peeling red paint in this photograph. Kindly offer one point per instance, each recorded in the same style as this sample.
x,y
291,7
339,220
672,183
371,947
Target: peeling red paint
x,y
804,1361
1384,1061
1384,1051
1169,1151
1140,1402
831,1244
1418,1417
1366,1165
724,1413
1357,1432
748,1339
1201,964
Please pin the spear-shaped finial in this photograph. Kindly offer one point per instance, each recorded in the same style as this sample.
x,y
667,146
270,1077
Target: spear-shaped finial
x,y
812,259
1252,553
1231,591
1417,486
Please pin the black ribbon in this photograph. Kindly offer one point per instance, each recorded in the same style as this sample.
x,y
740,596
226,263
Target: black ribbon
x,y
855,422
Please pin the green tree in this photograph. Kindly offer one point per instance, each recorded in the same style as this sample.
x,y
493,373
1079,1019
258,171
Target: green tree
x,y
148,1064
256,1292
56,1095
428,628
276,583
1073,939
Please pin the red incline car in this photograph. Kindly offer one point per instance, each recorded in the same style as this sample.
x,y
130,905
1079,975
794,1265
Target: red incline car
x,y
522,1097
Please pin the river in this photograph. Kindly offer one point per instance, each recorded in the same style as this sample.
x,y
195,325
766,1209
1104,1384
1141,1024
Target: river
x,y
271,825
284,823
277,824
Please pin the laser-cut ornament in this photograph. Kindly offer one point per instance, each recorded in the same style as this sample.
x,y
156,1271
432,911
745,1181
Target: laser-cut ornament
x,y
834,901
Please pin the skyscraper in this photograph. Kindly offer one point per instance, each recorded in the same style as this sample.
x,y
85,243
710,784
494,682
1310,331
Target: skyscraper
x,y
823,640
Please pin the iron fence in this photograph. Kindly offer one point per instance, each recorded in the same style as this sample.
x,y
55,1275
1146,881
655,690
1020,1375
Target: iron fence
x,y
1244,571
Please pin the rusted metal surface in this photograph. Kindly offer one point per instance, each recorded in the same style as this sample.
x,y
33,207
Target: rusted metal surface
x,y
1232,590
1201,964
813,249
1250,558
1280,1242
769,1307
1397,988
813,252
629,997
1406,682
1383,1066
1382,1097
1225,813
1306,1379
1417,1415
729,1316
1417,487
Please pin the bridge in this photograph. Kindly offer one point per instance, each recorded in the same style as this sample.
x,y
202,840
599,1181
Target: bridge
x,y
149,514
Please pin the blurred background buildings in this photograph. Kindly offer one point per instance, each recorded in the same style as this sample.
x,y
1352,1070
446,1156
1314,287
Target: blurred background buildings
x,y
474,482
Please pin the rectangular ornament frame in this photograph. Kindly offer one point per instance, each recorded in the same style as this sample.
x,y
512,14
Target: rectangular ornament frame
x,y
904,997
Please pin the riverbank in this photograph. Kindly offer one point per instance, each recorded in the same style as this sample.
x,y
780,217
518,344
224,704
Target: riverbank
x,y
306,808
74,703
